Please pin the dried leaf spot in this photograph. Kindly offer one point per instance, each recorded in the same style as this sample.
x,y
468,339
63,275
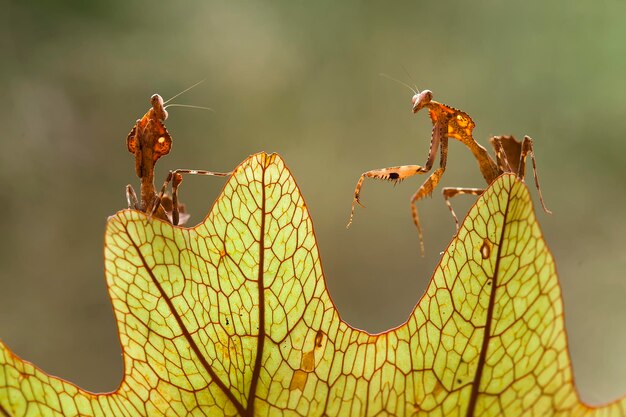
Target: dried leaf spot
x,y
319,339
298,380
485,249
307,364
308,361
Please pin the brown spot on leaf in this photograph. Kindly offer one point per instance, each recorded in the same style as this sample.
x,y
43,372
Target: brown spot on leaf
x,y
298,380
319,339
485,249
308,361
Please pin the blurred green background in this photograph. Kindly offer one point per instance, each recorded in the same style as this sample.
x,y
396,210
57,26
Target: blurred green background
x,y
302,79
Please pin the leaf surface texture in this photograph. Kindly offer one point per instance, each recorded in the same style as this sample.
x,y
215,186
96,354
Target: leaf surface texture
x,y
232,317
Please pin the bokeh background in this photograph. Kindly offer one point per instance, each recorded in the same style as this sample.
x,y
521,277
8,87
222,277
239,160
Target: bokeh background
x,y
302,79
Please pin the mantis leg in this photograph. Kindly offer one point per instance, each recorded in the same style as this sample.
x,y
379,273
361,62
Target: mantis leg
x,y
449,192
426,189
131,197
512,155
431,182
176,177
393,174
527,150
152,210
402,172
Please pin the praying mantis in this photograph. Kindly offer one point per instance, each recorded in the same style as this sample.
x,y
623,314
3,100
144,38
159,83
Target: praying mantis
x,y
148,141
449,122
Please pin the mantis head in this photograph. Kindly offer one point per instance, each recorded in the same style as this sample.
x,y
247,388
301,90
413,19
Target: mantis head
x,y
421,99
158,107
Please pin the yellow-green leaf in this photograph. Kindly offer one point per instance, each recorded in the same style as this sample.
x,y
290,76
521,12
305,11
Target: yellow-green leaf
x,y
232,317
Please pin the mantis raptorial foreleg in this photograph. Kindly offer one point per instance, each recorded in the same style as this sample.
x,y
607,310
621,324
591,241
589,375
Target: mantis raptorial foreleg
x,y
402,172
176,177
393,174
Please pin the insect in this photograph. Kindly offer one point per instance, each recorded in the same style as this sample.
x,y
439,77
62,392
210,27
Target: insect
x,y
449,122
148,141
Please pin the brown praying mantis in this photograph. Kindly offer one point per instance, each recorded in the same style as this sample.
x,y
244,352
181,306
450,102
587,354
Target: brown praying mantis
x,y
148,141
449,122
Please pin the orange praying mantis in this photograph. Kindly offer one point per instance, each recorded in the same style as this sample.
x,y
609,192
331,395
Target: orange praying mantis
x,y
148,141
449,122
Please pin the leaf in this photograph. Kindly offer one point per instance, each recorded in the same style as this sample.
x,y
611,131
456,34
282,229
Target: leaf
x,y
232,317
